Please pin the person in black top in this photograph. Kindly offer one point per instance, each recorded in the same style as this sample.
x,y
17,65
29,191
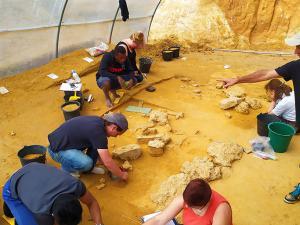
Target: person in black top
x,y
136,41
39,194
289,71
70,141
115,72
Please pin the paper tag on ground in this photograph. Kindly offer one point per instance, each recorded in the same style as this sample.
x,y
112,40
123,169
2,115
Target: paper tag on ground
x,y
3,90
52,76
150,216
88,59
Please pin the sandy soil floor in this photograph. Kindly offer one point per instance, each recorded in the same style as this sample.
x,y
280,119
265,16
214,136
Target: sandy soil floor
x,y
254,187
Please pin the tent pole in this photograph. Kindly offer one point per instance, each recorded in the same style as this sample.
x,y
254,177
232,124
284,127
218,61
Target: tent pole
x,y
152,18
59,26
113,24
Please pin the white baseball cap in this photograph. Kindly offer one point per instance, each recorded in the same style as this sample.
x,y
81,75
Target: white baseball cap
x,y
294,40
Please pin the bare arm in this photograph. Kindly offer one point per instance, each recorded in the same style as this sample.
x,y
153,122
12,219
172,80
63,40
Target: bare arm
x,y
260,75
168,214
271,107
89,200
223,215
111,165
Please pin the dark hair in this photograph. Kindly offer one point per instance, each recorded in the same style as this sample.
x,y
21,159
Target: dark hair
x,y
197,193
67,210
279,88
119,50
107,123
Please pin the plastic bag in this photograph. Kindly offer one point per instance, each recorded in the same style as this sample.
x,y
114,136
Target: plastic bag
x,y
261,148
97,50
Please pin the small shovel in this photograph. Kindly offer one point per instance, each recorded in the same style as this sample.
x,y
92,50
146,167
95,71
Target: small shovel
x,y
74,97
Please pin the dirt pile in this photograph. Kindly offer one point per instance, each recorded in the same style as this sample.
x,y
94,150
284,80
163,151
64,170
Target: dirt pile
x,y
225,153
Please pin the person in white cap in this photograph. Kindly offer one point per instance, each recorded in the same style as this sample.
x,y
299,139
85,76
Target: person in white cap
x,y
87,133
289,71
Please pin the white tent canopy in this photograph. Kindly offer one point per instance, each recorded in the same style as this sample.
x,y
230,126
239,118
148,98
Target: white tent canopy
x,y
32,32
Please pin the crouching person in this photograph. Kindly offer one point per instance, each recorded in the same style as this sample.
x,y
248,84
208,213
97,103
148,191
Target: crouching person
x,y
39,194
115,72
69,142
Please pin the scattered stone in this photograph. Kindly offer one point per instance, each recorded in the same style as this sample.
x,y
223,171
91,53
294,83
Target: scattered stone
x,y
158,117
230,102
12,133
149,131
247,150
182,86
197,132
201,168
177,115
169,128
145,126
253,102
243,108
185,79
3,160
143,139
95,109
228,115
235,91
127,152
156,147
101,186
219,85
225,153
102,180
197,91
195,85
126,165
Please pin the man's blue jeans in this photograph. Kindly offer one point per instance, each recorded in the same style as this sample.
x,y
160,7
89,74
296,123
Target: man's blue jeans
x,y
21,213
72,160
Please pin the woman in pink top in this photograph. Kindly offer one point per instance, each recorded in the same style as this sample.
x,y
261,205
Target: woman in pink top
x,y
200,205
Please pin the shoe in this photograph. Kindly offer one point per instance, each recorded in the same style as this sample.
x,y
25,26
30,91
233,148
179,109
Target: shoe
x,y
75,174
98,170
294,196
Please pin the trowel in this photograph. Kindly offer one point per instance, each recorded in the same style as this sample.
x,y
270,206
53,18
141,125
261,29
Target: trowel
x,y
74,97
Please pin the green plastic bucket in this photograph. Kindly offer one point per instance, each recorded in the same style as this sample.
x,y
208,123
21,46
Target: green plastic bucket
x,y
280,135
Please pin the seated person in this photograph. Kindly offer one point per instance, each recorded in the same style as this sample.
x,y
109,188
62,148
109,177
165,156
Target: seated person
x,y
115,72
282,108
136,41
39,194
69,142
200,205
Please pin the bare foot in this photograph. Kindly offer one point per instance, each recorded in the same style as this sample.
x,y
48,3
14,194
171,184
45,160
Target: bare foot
x,y
115,95
109,103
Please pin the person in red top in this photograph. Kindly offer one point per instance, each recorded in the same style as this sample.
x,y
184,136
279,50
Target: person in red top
x,y
200,205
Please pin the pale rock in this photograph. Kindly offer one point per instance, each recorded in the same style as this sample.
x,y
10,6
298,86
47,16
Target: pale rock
x,y
157,143
127,152
143,139
185,79
219,85
126,165
230,102
101,186
253,102
225,153
195,85
101,180
235,91
159,117
197,91
243,108
149,131
228,115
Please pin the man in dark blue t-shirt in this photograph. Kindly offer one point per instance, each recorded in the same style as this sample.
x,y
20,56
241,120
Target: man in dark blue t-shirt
x,y
289,71
115,72
87,133
39,194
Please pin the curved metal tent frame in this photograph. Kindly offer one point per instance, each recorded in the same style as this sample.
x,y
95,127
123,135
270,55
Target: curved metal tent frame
x,y
41,28
112,27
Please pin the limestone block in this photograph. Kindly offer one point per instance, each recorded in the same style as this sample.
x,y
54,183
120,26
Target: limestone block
x,y
128,152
